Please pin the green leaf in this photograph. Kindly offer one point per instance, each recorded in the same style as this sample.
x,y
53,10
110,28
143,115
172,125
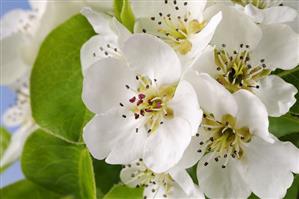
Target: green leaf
x,y
58,165
123,12
192,173
106,175
56,80
293,191
294,138
4,142
284,125
25,189
124,192
117,5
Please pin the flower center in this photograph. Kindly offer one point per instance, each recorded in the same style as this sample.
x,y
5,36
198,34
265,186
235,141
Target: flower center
x,y
224,138
261,4
178,31
147,177
151,102
236,72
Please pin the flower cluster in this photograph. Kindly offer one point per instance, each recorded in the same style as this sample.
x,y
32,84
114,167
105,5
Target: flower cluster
x,y
192,85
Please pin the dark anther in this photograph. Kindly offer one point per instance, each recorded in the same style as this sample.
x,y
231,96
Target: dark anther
x,y
247,46
218,68
257,86
136,130
223,45
241,45
153,18
160,13
143,30
124,116
225,155
153,190
177,8
223,166
106,53
150,130
140,159
197,134
185,3
127,86
201,143
262,60
133,175
206,163
199,150
121,104
216,159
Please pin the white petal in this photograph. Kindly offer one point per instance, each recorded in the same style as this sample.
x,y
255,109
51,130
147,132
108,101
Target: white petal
x,y
103,131
15,147
154,191
99,21
218,182
252,114
255,13
183,179
270,166
185,105
278,47
234,29
13,66
97,48
203,38
152,8
277,95
279,14
123,34
150,56
104,85
205,63
128,175
160,153
212,96
104,6
192,154
128,148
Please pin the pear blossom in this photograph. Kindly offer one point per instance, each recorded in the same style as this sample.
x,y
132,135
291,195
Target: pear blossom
x,y
180,23
236,153
244,55
26,29
111,35
142,107
173,183
265,11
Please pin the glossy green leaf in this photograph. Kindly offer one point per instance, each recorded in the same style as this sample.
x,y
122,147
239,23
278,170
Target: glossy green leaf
x,y
124,192
106,175
123,12
58,165
4,142
294,138
56,80
27,190
117,6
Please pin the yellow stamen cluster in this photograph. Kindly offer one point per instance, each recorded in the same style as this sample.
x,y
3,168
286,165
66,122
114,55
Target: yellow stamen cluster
x,y
261,4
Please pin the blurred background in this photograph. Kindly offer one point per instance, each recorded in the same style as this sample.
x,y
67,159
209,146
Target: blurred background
x,y
7,97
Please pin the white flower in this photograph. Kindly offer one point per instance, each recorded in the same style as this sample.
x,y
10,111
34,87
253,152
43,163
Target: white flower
x,y
143,109
245,54
265,11
180,23
171,184
237,155
111,36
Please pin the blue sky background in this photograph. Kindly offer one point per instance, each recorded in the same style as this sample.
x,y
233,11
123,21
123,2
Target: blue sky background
x,y
7,97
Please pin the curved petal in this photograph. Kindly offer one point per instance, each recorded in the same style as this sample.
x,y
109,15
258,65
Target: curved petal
x,y
123,34
128,175
203,38
234,29
13,66
218,182
185,105
182,178
103,131
277,95
154,191
205,63
96,48
152,8
99,21
252,114
278,47
192,154
128,148
270,167
212,96
279,14
160,154
105,85
255,13
15,147
150,56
